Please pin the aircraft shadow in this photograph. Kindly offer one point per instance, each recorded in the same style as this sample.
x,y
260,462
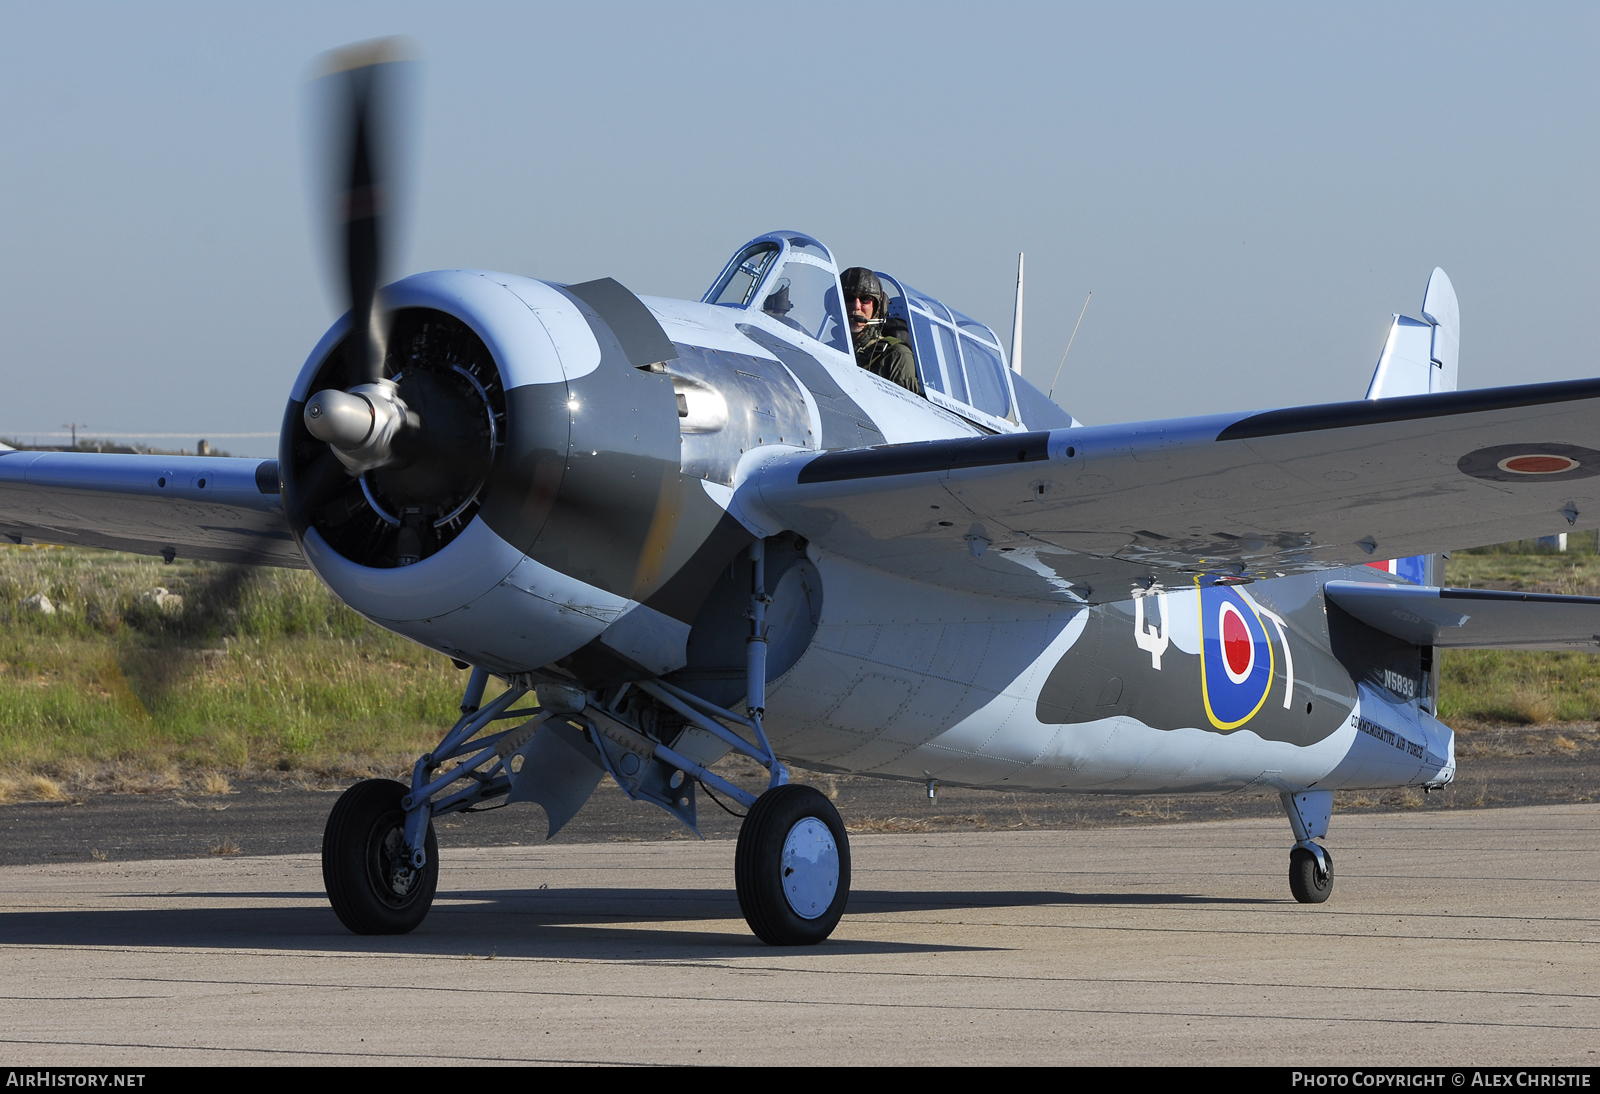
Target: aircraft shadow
x,y
587,923
868,901
615,923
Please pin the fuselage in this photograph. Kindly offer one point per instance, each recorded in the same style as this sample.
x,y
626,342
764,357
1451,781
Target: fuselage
x,y
606,542
919,682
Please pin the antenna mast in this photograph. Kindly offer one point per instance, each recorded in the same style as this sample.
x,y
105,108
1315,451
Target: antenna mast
x,y
1052,392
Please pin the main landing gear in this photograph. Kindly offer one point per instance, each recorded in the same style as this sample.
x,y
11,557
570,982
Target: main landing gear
x,y
372,883
792,866
1310,863
380,861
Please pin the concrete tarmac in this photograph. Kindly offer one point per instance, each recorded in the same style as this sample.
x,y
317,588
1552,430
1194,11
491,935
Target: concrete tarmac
x,y
1451,939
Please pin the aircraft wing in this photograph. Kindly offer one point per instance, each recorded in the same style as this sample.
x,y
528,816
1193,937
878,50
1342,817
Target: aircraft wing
x,y
1088,513
1473,618
218,508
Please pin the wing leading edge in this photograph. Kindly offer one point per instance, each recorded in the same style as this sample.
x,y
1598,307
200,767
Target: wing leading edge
x,y
1087,513
219,508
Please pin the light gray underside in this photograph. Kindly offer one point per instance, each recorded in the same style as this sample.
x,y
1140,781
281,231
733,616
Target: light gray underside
x,y
1472,618
1137,503
114,501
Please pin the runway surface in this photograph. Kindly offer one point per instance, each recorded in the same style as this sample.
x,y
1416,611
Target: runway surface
x,y
1452,938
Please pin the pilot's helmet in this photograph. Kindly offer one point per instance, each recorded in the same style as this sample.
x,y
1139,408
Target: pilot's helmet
x,y
860,281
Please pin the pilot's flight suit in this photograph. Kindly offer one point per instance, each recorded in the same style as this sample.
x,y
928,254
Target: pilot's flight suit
x,y
890,358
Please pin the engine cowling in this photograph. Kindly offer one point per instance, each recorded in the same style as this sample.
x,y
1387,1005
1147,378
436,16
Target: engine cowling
x,y
539,500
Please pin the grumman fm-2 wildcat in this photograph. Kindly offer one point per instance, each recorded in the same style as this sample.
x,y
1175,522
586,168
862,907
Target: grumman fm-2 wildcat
x,y
695,527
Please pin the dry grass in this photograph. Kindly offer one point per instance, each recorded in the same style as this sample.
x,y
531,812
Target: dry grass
x,y
1476,740
889,824
1153,810
31,788
214,783
226,847
938,822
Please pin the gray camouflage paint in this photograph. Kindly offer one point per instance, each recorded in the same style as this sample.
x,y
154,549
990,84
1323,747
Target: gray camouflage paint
x,y
1106,673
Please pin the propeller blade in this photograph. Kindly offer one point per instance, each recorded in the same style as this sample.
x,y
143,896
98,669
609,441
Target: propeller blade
x,y
362,99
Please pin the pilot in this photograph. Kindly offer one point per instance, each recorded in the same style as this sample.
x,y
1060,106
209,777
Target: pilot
x,y
876,351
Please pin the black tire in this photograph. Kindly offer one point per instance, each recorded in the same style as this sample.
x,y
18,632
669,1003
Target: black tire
x,y
1307,884
760,873
371,883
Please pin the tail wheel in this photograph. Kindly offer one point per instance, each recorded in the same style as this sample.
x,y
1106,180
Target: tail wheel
x,y
792,867
366,869
1307,881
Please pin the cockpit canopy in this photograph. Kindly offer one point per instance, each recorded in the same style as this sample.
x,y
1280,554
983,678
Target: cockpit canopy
x,y
795,281
959,359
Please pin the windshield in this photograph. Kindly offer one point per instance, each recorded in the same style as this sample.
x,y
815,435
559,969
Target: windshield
x,y
806,297
739,281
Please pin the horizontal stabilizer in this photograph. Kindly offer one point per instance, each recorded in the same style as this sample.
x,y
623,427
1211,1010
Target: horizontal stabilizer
x,y
1472,618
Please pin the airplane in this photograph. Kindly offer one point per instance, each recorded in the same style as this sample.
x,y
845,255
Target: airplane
x,y
678,529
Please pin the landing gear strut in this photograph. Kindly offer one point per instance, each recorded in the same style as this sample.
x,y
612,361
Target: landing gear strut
x,y
380,861
1310,863
792,864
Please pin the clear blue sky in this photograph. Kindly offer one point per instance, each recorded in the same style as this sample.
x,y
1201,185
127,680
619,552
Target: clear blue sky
x,y
1249,191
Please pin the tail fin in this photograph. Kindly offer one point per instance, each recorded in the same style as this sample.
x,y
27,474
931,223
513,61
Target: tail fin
x,y
1420,355
1419,358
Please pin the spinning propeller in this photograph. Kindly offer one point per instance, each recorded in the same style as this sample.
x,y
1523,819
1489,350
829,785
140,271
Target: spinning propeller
x,y
364,424
409,406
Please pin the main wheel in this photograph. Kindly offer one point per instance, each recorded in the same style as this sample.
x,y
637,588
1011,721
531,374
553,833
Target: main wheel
x,y
371,883
1309,884
792,867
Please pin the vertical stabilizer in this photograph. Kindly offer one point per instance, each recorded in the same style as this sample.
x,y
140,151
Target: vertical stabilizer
x,y
1419,356
1439,307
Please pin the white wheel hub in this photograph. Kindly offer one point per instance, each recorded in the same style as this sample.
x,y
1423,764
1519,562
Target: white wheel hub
x,y
810,868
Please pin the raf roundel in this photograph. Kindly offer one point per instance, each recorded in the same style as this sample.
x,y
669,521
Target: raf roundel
x,y
1236,656
1535,461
